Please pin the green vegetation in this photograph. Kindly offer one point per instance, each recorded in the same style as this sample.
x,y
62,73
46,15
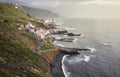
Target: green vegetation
x,y
47,45
8,11
16,56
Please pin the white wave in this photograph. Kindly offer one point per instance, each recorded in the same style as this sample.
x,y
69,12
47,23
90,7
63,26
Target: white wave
x,y
91,49
75,39
106,44
59,23
70,28
52,35
79,58
74,60
55,42
92,55
87,58
57,37
81,35
61,45
58,44
64,69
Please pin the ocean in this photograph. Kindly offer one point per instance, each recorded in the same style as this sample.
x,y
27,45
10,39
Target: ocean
x,y
102,37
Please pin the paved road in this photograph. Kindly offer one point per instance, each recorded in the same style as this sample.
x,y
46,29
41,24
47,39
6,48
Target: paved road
x,y
41,43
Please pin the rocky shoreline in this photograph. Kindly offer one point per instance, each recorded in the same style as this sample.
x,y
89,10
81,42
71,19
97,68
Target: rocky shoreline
x,y
56,62
55,65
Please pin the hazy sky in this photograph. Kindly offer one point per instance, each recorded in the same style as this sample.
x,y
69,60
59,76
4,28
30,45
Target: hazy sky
x,y
77,8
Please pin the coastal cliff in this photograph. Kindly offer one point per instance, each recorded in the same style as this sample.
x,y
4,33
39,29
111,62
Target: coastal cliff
x,y
17,55
40,13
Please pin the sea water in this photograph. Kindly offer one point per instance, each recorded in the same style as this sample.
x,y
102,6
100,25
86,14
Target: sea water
x,y
102,37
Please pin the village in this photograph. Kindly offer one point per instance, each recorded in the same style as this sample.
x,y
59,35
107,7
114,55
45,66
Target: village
x,y
37,31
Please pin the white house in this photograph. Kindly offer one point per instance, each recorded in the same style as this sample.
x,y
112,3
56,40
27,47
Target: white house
x,y
30,27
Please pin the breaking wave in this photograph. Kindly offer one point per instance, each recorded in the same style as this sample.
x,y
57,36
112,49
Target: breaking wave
x,y
91,49
70,28
73,60
64,69
79,58
58,44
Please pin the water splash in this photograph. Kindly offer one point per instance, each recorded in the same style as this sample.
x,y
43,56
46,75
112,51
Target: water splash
x,y
91,49
82,35
75,39
87,58
79,58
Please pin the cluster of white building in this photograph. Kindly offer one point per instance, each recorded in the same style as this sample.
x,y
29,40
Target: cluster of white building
x,y
42,33
35,30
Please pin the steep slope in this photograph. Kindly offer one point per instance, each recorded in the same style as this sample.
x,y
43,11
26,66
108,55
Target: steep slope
x,y
39,13
16,57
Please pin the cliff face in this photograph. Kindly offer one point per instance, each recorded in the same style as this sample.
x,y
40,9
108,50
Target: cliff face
x,y
40,13
16,56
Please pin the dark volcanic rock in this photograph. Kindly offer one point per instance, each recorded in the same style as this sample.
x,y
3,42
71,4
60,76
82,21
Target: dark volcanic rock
x,y
73,34
60,32
65,39
56,66
72,50
69,50
84,49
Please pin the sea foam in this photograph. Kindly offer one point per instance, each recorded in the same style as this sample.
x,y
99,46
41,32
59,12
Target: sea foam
x,y
82,35
79,58
64,69
105,44
61,45
87,58
91,49
75,39
58,44
70,28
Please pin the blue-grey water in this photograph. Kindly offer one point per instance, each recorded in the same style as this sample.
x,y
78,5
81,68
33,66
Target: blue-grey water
x,y
103,38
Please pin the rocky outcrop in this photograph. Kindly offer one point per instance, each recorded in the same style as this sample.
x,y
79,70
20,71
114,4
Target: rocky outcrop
x,y
73,34
73,50
69,50
65,39
61,32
